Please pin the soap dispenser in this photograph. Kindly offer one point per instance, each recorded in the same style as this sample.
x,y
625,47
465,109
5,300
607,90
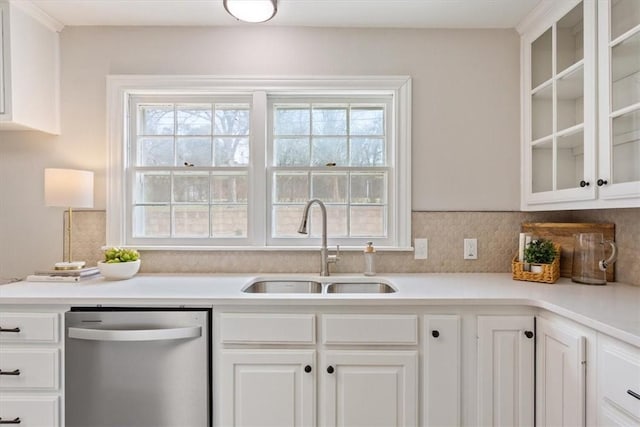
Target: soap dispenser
x,y
369,260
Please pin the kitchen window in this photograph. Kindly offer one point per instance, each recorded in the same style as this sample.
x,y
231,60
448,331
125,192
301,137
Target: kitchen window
x,y
229,163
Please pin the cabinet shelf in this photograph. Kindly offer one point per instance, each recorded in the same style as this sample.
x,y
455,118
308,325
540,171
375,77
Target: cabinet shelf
x,y
570,130
541,87
542,141
570,69
623,37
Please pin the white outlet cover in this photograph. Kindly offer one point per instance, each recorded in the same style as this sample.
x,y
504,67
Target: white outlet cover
x,y
470,248
421,249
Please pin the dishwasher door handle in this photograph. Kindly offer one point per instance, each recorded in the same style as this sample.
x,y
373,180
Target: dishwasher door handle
x,y
135,334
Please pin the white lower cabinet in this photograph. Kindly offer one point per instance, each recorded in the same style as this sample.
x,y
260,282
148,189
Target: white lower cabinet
x,y
505,370
369,388
267,388
31,355
441,371
560,375
31,411
618,378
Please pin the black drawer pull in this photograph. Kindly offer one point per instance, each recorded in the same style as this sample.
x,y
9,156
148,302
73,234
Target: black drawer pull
x,y
16,420
14,372
634,394
16,330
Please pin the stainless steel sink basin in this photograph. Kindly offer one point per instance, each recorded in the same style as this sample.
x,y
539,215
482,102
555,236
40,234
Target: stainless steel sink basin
x,y
359,288
284,287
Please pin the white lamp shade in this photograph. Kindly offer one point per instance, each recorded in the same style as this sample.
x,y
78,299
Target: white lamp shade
x,y
251,10
68,188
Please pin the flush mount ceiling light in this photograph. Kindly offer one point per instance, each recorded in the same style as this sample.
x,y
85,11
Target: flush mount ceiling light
x,y
251,10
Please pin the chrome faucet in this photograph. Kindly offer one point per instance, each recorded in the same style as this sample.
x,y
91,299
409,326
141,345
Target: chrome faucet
x,y
325,258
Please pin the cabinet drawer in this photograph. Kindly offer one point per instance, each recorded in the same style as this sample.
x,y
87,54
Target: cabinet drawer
x,y
619,373
365,329
31,411
259,328
29,327
31,368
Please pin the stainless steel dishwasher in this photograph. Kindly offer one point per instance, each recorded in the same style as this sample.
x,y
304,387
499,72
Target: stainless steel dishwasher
x,y
137,367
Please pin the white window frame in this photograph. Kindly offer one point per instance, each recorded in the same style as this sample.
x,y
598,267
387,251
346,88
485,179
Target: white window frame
x,y
121,87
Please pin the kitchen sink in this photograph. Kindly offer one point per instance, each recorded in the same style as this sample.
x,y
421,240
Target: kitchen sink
x,y
284,287
359,288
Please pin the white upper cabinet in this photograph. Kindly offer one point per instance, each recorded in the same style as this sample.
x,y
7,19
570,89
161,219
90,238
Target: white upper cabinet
x,y
581,105
29,69
619,85
559,74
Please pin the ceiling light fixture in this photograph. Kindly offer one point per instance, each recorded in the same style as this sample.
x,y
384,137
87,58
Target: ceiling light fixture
x,y
251,10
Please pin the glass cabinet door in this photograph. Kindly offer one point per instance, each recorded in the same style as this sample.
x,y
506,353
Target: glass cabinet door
x,y
619,49
561,139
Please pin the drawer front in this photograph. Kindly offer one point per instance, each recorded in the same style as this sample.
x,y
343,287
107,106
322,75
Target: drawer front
x,y
619,374
370,329
30,411
259,328
29,369
29,327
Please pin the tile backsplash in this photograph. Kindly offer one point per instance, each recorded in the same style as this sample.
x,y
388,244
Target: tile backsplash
x,y
497,234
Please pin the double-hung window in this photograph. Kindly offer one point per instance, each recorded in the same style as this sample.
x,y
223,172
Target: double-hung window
x,y
189,169
218,163
337,150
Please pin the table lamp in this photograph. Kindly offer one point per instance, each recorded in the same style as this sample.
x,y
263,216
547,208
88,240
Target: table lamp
x,y
68,188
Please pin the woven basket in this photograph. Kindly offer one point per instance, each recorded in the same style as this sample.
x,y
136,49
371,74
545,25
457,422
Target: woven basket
x,y
550,272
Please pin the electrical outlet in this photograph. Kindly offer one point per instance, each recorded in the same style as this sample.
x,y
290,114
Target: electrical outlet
x,y
421,249
470,248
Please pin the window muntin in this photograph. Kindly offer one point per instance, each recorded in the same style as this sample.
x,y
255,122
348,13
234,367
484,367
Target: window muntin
x,y
336,151
189,169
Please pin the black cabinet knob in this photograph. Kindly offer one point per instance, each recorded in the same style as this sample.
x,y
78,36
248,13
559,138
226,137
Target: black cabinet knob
x,y
584,183
330,369
602,182
528,334
307,369
435,333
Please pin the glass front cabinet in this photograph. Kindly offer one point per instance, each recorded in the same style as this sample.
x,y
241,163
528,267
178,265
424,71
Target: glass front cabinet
x,y
581,105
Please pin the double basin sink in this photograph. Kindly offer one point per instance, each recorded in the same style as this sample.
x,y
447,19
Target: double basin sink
x,y
302,286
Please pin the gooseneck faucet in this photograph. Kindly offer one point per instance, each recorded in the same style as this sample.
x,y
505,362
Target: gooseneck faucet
x,y
325,258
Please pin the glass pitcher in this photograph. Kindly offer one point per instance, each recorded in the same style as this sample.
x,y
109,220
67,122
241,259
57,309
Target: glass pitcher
x,y
589,264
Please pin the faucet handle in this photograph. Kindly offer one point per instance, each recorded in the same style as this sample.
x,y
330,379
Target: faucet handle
x,y
334,258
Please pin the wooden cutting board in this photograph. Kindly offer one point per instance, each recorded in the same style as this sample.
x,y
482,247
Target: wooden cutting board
x,y
562,234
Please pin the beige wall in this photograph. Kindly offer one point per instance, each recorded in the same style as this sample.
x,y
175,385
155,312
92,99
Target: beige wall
x,y
497,234
465,110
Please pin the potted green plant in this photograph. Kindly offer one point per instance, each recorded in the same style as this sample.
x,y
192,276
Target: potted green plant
x,y
119,263
539,252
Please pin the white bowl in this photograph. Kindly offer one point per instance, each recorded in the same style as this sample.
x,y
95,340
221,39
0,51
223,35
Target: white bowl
x,y
119,270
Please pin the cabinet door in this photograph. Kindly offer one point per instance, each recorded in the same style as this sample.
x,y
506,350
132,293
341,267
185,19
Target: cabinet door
x,y
3,12
559,105
618,383
619,73
560,375
267,388
505,370
441,384
369,388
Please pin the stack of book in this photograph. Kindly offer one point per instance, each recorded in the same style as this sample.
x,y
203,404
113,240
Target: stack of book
x,y
524,241
77,275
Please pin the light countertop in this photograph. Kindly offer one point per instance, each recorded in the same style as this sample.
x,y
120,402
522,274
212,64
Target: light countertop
x,y
613,309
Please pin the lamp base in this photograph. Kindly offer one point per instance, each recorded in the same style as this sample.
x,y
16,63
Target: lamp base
x,y
73,265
